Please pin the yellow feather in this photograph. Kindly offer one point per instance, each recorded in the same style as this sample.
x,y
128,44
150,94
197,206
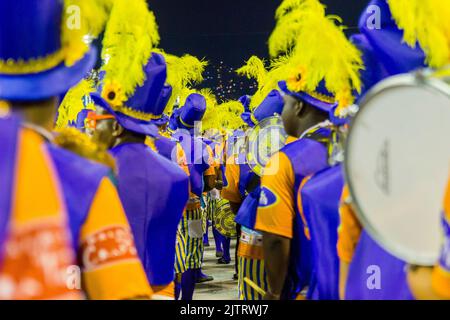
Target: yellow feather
x,y
224,116
82,21
72,103
131,33
268,79
426,22
182,72
254,68
319,50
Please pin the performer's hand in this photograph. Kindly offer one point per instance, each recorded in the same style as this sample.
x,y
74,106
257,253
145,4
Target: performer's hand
x,y
219,184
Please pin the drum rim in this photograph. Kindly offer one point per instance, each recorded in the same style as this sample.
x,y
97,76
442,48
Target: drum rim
x,y
403,80
251,133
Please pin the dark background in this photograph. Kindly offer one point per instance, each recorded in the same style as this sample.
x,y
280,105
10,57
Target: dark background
x,y
228,32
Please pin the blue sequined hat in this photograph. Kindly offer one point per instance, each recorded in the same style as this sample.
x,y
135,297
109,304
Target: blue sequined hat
x,y
137,112
322,99
161,104
129,123
246,100
272,104
34,64
374,71
193,110
387,41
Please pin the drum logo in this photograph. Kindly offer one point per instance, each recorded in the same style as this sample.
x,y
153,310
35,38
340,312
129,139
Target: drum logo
x,y
382,176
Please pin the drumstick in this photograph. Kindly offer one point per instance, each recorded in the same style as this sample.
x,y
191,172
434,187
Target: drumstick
x,y
255,286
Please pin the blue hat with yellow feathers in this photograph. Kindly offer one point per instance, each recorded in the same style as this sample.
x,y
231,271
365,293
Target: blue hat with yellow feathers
x,y
133,76
271,105
411,34
193,110
135,114
160,105
41,55
322,65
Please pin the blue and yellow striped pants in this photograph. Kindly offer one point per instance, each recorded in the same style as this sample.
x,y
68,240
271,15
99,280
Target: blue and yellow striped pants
x,y
180,252
254,270
192,229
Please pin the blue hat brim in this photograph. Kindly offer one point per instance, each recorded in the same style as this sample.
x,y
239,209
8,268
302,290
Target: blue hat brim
x,y
247,118
303,96
51,83
161,121
139,126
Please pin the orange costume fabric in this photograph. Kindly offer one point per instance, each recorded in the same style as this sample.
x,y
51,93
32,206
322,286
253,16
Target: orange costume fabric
x,y
38,228
350,229
441,273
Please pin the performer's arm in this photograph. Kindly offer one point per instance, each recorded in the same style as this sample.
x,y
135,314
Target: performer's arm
x,y
219,180
275,219
210,174
276,254
343,275
420,283
231,191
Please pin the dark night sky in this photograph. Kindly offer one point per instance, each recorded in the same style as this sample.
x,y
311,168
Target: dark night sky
x,y
229,30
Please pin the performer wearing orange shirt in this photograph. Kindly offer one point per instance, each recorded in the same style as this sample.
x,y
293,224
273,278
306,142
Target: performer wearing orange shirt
x,y
76,191
309,101
202,176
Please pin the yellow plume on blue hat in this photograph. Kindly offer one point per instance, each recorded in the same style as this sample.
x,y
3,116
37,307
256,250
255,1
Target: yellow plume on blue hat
x,y
267,79
254,68
230,114
92,15
130,35
210,118
318,50
226,115
73,103
426,22
182,73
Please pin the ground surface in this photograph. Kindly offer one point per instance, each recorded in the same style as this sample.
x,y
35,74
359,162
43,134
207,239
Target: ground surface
x,y
223,287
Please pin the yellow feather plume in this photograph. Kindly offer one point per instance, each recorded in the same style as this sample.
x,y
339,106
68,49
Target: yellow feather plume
x,y
319,50
82,21
73,103
230,115
182,72
210,98
224,116
130,35
268,79
254,68
426,22
289,16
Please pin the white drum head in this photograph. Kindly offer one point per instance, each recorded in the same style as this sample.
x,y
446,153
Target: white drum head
x,y
397,162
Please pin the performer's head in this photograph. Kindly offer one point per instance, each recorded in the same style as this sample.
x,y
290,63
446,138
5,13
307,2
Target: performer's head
x,y
298,116
118,118
107,131
38,112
